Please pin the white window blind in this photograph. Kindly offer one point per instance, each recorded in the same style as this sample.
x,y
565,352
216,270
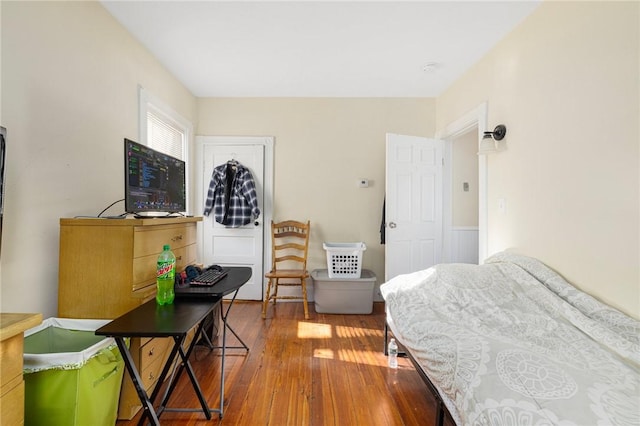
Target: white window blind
x,y
164,135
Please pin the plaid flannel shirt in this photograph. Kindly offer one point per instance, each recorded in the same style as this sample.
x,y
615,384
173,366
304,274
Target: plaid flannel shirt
x,y
232,196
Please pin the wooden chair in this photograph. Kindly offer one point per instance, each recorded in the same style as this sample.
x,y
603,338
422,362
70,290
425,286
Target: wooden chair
x,y
289,248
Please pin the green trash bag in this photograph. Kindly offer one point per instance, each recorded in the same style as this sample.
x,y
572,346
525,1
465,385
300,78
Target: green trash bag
x,y
72,377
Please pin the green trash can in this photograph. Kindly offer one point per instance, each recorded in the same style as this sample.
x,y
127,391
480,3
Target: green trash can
x,y
72,377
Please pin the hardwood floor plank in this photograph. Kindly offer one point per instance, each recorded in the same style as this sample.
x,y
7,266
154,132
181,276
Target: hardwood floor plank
x,y
325,371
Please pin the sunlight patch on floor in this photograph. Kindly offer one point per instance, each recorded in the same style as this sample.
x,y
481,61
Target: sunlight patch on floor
x,y
323,353
357,357
313,330
342,331
310,330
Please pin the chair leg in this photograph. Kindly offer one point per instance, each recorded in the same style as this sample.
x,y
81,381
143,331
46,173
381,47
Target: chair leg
x,y
303,283
275,290
266,299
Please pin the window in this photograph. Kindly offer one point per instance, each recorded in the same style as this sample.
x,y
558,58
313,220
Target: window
x,y
163,134
163,129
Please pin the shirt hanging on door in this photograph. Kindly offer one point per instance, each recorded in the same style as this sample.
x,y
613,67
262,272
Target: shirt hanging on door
x,y
232,195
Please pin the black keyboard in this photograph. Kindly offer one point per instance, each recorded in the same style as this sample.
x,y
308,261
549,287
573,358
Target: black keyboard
x,y
209,277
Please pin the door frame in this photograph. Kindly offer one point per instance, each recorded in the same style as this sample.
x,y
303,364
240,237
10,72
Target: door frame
x,y
267,214
477,117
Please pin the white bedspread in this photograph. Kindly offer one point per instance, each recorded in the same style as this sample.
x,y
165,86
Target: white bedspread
x,y
511,342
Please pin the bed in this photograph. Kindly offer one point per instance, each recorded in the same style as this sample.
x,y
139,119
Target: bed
x,y
510,342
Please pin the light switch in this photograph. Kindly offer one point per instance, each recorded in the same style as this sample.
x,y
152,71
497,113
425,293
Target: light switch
x,y
502,205
465,186
363,183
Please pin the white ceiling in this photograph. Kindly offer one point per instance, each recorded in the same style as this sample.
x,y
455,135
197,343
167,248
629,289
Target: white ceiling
x,y
318,48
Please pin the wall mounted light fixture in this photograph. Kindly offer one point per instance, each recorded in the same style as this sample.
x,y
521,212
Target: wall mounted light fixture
x,y
490,140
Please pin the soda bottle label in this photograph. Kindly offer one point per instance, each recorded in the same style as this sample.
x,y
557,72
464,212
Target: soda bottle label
x,y
164,269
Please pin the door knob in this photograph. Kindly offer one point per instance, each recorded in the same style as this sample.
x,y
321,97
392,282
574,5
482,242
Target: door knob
x,y
256,223
392,225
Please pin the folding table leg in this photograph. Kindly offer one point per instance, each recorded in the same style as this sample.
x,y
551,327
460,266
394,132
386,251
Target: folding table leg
x,y
224,315
137,382
225,325
184,365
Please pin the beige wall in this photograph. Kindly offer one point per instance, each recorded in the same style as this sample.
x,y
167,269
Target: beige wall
x,y
322,147
70,76
565,83
465,169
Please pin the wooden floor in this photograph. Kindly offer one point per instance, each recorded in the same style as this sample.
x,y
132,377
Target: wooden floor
x,y
328,370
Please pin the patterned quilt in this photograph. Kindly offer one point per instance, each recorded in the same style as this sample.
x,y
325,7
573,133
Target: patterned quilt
x,y
511,342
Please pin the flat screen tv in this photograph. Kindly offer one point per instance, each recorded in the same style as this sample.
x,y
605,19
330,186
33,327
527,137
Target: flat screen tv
x,y
153,181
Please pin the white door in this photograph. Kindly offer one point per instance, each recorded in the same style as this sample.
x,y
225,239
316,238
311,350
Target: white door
x,y
413,206
243,246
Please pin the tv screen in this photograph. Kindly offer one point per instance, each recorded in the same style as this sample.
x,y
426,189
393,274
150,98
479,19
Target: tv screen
x,y
153,181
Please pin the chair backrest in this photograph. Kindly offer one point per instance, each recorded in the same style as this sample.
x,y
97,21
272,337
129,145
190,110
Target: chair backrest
x,y
289,244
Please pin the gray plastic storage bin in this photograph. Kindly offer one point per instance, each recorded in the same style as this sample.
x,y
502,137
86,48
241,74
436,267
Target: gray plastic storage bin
x,y
343,295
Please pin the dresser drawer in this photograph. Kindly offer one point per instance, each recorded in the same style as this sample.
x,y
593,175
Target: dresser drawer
x,y
152,357
144,268
149,240
11,354
12,406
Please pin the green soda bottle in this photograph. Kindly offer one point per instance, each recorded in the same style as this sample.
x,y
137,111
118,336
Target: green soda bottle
x,y
165,276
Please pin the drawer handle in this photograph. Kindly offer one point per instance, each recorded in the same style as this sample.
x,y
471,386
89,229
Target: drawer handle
x,y
151,376
177,238
151,351
179,258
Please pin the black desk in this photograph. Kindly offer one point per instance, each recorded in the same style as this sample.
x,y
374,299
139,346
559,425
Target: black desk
x,y
236,278
189,309
152,320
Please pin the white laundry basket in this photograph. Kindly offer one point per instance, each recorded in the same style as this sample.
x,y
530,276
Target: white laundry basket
x,y
344,260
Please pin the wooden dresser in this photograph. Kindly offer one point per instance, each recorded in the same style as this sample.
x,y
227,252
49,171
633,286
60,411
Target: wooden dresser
x,y
12,328
107,267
